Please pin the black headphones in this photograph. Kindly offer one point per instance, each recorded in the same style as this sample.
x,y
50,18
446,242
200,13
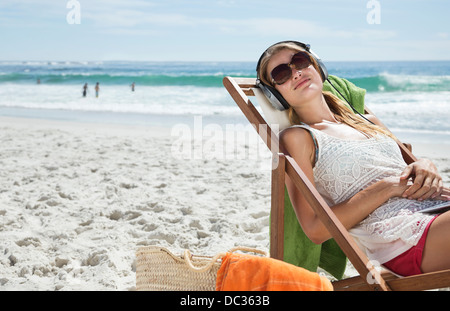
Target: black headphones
x,y
274,97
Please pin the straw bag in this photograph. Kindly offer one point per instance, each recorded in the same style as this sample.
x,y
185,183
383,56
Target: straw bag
x,y
157,269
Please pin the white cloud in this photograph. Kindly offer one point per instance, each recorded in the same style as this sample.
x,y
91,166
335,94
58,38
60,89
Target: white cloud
x,y
267,27
117,16
146,17
292,28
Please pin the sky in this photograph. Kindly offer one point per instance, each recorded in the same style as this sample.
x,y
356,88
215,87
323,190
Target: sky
x,y
222,30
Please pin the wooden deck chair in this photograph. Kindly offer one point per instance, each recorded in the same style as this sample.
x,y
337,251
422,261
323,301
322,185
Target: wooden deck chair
x,y
369,277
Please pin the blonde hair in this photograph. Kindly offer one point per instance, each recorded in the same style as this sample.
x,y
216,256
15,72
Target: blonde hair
x,y
342,112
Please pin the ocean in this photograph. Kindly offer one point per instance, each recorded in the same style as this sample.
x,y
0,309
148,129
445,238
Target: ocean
x,y
411,98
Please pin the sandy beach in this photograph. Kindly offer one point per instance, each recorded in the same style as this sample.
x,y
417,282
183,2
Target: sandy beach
x,y
78,199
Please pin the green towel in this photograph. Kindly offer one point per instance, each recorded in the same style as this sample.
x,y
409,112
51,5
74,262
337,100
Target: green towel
x,y
352,93
298,249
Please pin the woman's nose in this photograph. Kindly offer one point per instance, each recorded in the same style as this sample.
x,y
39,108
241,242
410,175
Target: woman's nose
x,y
296,73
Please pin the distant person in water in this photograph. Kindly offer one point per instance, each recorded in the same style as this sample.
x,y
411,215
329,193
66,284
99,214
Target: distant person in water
x,y
38,81
97,89
132,86
85,87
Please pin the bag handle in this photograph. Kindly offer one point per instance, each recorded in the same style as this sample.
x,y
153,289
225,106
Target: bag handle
x,y
248,249
188,256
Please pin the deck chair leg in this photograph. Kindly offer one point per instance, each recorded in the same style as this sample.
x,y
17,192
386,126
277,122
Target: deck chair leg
x,y
277,207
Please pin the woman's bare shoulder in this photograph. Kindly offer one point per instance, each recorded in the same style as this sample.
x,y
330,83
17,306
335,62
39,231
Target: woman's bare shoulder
x,y
294,134
297,140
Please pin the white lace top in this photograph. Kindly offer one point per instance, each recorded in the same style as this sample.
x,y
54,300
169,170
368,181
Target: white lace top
x,y
345,167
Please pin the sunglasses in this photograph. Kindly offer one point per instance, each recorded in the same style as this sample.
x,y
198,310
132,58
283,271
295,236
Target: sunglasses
x,y
281,73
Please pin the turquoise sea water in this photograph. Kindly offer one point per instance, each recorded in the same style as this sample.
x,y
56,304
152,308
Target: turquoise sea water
x,y
411,98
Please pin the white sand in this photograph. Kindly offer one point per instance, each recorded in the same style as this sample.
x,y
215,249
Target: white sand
x,y
77,200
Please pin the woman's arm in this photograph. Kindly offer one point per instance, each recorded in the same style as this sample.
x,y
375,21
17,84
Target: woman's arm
x,y
427,183
300,146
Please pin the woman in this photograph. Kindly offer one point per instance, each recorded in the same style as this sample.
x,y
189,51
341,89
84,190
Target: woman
x,y
358,169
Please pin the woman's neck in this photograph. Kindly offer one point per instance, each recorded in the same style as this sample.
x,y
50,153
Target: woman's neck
x,y
315,111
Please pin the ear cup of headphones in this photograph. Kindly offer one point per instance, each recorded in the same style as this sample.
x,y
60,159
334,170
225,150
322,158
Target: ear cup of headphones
x,y
273,96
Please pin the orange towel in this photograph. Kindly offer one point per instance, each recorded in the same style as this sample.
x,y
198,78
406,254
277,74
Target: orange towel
x,y
242,272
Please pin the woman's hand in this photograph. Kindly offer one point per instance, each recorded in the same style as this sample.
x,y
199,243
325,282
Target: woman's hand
x,y
427,183
445,195
396,185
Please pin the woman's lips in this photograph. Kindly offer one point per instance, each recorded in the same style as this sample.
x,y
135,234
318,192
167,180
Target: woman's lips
x,y
301,83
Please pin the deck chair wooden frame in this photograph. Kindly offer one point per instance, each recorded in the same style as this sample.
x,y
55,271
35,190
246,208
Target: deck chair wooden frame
x,y
369,278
